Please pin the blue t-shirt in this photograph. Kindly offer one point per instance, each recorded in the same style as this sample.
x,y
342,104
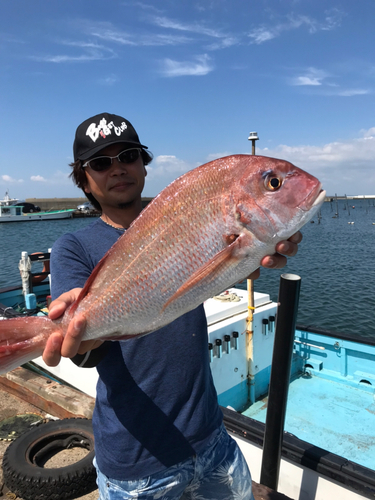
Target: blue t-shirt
x,y
156,403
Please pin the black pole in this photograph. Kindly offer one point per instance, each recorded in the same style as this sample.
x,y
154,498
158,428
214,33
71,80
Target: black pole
x,y
290,285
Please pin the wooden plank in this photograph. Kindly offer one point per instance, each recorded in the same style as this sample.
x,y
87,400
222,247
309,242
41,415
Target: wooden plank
x,y
54,398
262,492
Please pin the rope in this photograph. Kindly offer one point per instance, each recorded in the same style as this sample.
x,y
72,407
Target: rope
x,y
228,297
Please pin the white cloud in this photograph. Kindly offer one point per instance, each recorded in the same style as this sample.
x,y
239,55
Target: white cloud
x,y
8,178
90,55
162,171
199,67
222,40
164,22
264,33
215,156
38,178
108,80
11,38
166,165
307,80
224,43
345,167
108,33
312,76
352,92
368,134
83,45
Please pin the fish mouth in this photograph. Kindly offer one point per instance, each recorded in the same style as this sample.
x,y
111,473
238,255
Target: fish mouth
x,y
313,199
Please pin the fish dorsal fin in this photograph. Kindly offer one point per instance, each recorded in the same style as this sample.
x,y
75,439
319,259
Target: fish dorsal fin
x,y
209,271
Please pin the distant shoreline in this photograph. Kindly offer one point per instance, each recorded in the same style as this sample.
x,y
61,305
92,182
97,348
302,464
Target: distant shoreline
x,y
65,203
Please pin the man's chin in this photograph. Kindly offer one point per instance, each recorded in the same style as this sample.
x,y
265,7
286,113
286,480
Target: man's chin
x,y
125,204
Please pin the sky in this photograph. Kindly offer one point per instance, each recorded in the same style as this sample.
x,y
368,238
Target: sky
x,y
194,78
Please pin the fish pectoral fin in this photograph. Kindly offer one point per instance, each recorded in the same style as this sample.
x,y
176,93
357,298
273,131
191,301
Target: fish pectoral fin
x,y
209,271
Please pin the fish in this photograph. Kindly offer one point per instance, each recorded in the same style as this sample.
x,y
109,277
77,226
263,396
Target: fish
x,y
206,231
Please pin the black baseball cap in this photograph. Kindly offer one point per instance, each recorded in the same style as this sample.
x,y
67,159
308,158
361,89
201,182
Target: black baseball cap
x,y
101,131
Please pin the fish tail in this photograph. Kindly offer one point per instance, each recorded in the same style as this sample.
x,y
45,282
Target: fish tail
x,y
23,339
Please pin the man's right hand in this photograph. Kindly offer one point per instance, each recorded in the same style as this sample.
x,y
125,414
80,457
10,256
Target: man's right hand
x,y
71,344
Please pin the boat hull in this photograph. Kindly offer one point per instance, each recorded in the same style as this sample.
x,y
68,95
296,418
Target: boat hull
x,y
37,216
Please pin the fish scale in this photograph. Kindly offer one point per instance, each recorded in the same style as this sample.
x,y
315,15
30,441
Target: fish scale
x,y
206,231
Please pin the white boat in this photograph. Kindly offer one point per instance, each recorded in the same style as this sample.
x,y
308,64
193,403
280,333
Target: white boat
x,y
11,212
8,200
328,443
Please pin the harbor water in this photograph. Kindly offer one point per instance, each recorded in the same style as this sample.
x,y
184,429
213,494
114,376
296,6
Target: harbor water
x,y
336,261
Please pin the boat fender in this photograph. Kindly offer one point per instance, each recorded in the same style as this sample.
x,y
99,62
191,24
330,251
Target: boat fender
x,y
24,459
38,278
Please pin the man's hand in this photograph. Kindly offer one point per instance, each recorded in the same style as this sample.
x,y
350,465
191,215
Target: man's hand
x,y
70,344
278,260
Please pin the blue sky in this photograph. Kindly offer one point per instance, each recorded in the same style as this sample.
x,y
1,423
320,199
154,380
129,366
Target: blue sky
x,y
194,78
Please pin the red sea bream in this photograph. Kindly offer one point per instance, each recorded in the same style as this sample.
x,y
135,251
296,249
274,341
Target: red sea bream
x,y
206,231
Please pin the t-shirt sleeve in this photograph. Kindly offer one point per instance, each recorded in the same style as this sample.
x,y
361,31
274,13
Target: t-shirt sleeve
x,y
73,258
70,267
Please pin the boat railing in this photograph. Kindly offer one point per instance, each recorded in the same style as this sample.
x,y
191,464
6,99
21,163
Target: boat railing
x,y
332,333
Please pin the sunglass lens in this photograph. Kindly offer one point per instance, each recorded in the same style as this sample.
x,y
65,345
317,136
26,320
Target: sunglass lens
x,y
100,164
129,155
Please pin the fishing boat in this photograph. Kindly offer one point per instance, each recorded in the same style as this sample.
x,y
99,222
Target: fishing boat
x,y
11,212
327,443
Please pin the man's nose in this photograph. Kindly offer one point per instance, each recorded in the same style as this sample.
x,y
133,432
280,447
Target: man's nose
x,y
117,165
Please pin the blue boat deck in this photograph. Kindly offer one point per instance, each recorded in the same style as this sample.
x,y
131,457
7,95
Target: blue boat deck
x,y
333,416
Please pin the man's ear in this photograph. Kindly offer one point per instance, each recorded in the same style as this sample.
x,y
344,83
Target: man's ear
x,y
86,187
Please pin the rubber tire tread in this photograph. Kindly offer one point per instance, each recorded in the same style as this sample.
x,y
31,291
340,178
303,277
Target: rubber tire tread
x,y
31,482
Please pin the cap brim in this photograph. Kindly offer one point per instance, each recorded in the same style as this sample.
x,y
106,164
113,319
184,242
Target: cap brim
x,y
93,151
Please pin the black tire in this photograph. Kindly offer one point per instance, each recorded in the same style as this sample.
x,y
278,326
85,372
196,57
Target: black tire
x,y
23,461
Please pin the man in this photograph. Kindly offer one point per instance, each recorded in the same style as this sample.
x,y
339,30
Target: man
x,y
157,425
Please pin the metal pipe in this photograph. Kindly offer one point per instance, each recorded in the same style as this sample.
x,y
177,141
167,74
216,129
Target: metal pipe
x,y
289,289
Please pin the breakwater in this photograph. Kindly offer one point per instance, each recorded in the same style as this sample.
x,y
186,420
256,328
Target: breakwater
x,y
46,204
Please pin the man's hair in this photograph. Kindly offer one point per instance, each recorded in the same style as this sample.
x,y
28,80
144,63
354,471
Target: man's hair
x,y
79,177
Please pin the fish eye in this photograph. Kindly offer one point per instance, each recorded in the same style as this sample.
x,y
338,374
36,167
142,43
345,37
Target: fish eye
x,y
273,183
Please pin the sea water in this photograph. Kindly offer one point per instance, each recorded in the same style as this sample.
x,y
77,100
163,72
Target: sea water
x,y
336,262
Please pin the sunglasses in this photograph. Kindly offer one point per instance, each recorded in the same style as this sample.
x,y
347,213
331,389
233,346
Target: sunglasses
x,y
103,163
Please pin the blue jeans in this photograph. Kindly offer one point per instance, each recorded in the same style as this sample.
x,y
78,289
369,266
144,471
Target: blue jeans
x,y
219,472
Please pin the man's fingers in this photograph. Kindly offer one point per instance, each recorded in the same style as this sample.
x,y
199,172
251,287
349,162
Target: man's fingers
x,y
274,261
59,305
56,309
289,247
254,275
51,354
296,237
73,336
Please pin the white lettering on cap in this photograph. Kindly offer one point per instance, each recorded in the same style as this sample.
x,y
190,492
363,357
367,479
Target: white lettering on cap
x,y
103,129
